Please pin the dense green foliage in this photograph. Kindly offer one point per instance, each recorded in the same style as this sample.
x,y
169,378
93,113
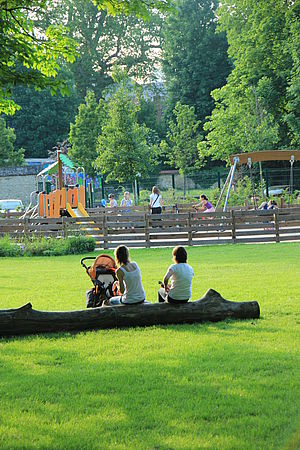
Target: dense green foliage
x,y
29,55
141,8
8,155
104,39
46,246
181,148
228,385
195,58
85,131
258,107
101,39
44,119
123,150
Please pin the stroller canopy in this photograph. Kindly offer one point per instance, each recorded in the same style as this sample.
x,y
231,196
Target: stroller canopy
x,y
104,261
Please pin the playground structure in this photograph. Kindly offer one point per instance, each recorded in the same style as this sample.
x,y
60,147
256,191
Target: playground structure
x,y
249,159
66,199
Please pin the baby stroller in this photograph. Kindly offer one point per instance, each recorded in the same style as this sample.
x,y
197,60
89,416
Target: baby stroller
x,y
103,275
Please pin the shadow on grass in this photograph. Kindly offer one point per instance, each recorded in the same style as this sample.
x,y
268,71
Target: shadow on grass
x,y
161,394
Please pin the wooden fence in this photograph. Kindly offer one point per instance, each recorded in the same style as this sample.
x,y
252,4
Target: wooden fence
x,y
140,229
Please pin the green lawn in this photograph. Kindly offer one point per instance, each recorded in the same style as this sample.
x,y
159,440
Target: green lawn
x,y
230,385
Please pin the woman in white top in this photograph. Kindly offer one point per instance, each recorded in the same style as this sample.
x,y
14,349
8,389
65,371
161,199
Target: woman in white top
x,y
156,201
129,280
181,275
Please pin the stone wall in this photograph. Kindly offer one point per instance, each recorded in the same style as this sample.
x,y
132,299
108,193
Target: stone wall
x,y
18,182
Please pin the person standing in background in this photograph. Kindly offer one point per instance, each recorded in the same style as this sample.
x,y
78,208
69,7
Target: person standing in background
x,y
156,201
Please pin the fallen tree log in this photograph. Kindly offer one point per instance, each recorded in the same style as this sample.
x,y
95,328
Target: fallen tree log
x,y
212,307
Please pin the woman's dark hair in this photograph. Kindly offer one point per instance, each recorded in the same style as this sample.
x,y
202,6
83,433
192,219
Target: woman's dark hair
x,y
180,254
122,254
204,197
155,190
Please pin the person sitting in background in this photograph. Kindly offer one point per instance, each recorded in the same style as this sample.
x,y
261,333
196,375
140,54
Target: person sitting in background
x,y
112,201
204,205
181,274
129,282
263,205
126,201
272,204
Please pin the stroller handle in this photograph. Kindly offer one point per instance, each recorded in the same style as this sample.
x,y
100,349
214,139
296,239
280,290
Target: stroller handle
x,y
84,259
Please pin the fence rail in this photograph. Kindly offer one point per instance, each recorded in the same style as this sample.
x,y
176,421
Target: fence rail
x,y
141,229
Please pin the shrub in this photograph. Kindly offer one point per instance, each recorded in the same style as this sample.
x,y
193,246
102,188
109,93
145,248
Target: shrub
x,y
42,246
9,247
80,244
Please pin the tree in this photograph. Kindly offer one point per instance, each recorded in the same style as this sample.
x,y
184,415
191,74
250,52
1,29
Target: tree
x,y
292,116
104,39
141,8
123,152
85,131
29,56
43,119
239,123
195,60
250,111
183,137
8,155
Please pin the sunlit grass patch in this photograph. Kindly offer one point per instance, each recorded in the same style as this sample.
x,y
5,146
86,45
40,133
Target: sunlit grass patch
x,y
233,384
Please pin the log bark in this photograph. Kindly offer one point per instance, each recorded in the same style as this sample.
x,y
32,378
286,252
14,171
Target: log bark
x,y
212,307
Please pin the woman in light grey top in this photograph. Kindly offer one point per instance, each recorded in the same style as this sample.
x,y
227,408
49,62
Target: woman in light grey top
x,y
181,274
129,282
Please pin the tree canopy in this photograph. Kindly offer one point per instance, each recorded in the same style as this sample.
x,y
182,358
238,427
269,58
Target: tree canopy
x,y
183,136
27,55
123,151
195,58
31,56
104,40
44,119
8,155
85,132
258,107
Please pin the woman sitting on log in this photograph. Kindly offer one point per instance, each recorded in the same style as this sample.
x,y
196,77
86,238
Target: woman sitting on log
x,y
181,275
129,282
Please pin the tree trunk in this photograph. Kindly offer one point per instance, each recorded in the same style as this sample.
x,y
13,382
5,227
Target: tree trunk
x,y
212,307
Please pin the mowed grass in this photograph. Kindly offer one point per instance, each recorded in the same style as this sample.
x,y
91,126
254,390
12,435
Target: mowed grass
x,y
226,385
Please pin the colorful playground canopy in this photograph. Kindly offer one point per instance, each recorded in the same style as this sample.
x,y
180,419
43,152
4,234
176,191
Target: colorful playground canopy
x,y
49,170
53,168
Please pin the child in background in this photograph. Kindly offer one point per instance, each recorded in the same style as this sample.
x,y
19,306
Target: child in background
x,y
204,205
112,201
126,201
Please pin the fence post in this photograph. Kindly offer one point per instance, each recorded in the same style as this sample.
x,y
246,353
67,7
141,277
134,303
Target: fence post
x,y
267,183
190,233
276,223
147,235
105,233
25,227
281,202
219,180
233,229
64,228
